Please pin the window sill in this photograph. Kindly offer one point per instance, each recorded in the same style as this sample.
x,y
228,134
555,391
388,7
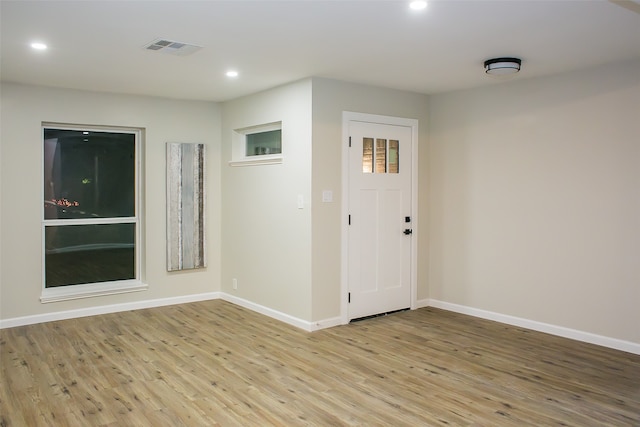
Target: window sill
x,y
263,160
65,293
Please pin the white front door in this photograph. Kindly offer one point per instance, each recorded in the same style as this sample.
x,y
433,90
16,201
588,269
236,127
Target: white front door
x,y
380,222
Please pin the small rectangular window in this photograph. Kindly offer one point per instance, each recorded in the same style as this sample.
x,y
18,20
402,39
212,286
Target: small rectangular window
x,y
261,143
257,145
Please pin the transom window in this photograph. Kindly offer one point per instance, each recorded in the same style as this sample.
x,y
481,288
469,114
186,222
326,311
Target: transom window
x,y
257,145
267,142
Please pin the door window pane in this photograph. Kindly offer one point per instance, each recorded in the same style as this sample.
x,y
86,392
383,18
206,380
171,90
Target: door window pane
x,y
367,155
381,155
394,152
78,254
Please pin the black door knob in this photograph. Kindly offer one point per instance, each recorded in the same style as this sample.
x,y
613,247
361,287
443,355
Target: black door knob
x,y
407,231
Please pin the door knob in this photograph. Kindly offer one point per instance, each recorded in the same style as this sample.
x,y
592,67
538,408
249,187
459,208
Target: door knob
x,y
407,231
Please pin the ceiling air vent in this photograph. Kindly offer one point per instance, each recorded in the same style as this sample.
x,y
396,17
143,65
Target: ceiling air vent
x,y
172,47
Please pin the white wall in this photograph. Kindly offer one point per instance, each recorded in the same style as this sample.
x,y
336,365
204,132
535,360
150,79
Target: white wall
x,y
23,110
330,99
535,199
284,258
528,200
266,239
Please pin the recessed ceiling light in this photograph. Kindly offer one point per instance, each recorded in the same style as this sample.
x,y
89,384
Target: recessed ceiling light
x,y
418,4
38,46
232,73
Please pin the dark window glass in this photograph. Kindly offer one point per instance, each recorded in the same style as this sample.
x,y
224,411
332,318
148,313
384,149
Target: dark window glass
x,y
88,174
78,254
261,143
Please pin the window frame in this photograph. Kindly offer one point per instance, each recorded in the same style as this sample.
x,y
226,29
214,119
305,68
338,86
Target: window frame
x,y
86,290
239,155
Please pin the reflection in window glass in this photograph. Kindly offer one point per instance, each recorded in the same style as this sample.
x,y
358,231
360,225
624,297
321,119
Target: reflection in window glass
x,y
381,156
394,152
261,143
88,174
78,254
367,155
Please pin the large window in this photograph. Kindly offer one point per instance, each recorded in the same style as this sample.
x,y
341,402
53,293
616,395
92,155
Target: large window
x,y
91,220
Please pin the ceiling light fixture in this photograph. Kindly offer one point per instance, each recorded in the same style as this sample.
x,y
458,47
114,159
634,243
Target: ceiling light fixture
x,y
232,73
38,46
418,5
502,66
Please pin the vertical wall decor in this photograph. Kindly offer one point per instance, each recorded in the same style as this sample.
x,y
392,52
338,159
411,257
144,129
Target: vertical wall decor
x,y
185,206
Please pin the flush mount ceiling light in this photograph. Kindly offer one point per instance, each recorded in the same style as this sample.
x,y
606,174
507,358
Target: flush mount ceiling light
x,y
502,66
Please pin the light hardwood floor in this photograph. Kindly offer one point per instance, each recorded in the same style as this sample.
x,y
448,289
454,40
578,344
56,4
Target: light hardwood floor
x,y
213,363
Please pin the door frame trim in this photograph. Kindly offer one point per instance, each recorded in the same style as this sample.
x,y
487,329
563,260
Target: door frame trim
x,y
347,117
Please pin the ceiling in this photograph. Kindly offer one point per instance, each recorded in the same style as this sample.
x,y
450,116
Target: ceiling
x,y
99,45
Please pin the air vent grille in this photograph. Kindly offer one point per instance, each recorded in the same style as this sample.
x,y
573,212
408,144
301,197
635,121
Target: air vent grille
x,y
172,47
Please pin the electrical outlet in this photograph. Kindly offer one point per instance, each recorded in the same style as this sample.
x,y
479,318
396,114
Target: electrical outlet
x,y
235,283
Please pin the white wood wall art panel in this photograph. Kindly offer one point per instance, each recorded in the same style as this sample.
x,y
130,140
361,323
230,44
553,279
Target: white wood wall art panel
x,y
185,206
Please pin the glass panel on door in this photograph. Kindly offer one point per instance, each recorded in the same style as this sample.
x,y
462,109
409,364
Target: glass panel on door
x,y
381,155
367,155
394,152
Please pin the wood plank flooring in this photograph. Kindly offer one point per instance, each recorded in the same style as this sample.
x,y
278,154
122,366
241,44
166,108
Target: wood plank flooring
x,y
216,364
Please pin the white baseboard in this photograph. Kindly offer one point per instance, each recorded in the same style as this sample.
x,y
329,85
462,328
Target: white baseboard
x,y
561,331
614,343
104,309
115,308
283,317
422,303
326,323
